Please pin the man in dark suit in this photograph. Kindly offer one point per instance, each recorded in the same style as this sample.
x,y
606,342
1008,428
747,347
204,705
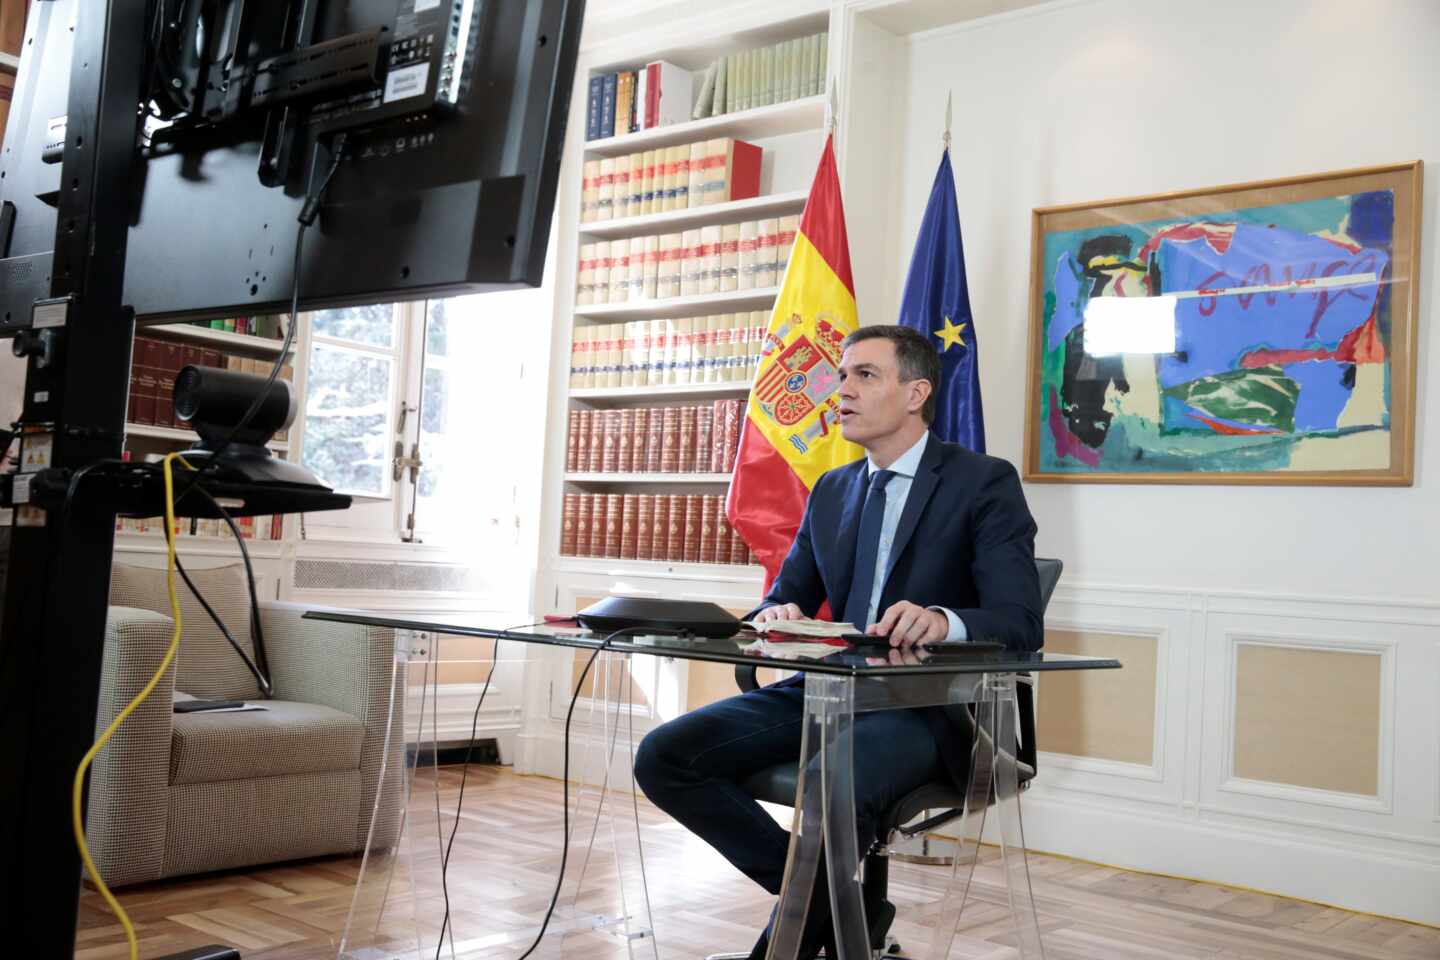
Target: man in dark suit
x,y
920,541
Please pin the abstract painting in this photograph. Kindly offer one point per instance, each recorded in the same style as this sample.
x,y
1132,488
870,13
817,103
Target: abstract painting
x,y
1254,333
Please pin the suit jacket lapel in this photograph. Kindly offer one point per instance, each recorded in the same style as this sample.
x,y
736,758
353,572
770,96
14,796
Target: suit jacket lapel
x,y
927,478
848,530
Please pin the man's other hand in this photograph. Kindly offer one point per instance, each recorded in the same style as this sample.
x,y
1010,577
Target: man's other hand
x,y
907,624
780,611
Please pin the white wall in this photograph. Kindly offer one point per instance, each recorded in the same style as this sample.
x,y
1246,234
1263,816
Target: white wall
x,y
1085,101
1078,101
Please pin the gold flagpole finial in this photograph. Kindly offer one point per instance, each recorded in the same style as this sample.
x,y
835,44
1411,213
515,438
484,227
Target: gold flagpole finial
x,y
949,97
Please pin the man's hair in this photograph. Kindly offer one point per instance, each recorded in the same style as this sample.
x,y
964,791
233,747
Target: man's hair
x,y
917,359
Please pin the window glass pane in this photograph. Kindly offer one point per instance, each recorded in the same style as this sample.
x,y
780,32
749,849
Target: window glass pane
x,y
437,340
347,414
373,325
434,415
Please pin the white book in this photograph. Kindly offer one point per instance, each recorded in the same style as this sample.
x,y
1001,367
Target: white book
x,y
676,94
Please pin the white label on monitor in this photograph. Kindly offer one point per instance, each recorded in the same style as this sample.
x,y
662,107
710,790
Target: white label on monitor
x,y
49,314
42,396
406,82
422,5
20,493
35,451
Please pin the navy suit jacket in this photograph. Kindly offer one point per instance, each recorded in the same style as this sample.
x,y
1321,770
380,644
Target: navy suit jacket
x,y
966,541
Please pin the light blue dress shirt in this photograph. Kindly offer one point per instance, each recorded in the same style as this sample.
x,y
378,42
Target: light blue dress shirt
x,y
897,491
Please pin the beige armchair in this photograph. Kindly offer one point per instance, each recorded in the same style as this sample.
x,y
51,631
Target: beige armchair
x,y
180,793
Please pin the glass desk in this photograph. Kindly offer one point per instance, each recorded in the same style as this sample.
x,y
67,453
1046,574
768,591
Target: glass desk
x,y
400,901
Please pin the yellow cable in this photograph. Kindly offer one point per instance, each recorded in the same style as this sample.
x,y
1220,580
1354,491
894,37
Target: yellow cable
x,y
76,814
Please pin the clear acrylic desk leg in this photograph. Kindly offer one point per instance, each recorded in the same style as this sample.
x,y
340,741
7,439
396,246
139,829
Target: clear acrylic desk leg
x,y
992,768
498,894
824,821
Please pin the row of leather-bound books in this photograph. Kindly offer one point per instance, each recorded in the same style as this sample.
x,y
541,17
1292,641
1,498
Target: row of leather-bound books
x,y
718,258
685,439
673,528
721,348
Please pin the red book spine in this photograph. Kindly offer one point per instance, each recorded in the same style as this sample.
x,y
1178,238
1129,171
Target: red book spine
x,y
660,527
694,504
629,526
132,405
708,506
704,418
595,445
146,354
654,439
597,526
583,510
625,442
585,429
732,435
639,436
614,515
739,550
572,442
722,534
644,526
670,441
610,451
567,524
685,446
211,358
716,453
675,529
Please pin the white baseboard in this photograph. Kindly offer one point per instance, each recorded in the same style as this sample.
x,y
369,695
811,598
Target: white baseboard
x,y
1343,876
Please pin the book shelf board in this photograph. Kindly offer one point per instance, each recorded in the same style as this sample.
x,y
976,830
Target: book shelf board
x,y
675,221
791,116
728,302
219,339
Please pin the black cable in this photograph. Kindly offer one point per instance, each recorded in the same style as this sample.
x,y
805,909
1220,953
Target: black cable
x,y
259,677
464,775
257,631
565,783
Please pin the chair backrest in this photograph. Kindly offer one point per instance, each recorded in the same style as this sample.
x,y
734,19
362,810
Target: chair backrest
x,y
208,668
1049,571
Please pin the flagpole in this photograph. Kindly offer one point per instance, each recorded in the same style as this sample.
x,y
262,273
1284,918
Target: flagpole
x,y
948,98
832,110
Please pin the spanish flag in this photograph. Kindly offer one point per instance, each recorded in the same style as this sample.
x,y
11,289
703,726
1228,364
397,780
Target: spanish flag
x,y
791,433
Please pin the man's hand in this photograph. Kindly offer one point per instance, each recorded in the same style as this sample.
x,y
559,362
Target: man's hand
x,y
780,611
907,624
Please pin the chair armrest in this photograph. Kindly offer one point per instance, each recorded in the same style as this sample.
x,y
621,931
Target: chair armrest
x,y
745,678
130,778
339,665
347,667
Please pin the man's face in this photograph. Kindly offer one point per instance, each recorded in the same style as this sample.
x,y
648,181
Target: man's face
x,y
874,403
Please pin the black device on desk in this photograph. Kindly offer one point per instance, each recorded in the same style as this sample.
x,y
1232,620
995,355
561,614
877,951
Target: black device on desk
x,y
422,141
694,617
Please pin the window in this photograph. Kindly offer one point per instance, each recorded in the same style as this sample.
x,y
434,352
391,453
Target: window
x,y
350,389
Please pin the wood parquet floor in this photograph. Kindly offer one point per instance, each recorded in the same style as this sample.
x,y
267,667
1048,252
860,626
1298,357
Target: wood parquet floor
x,y
508,847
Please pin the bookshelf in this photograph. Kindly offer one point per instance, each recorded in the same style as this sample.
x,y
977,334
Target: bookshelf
x,y
221,340
777,119
671,220
631,478
181,436
789,135
698,304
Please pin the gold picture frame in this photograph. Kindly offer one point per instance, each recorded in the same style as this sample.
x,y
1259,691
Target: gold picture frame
x,y
1253,333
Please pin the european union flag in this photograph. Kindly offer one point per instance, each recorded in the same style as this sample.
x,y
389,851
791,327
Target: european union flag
x,y
937,303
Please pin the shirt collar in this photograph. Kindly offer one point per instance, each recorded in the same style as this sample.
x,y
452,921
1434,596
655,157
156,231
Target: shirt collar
x,y
908,462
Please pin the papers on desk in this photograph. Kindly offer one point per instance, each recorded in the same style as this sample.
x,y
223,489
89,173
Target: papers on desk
x,y
802,628
786,649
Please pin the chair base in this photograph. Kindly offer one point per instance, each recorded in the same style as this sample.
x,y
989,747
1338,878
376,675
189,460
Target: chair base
x,y
924,855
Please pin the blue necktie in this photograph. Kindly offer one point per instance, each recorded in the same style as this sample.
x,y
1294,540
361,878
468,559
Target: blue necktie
x,y
867,547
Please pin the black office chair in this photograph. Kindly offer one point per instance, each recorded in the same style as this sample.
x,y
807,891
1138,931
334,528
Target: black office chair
x,y
777,785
